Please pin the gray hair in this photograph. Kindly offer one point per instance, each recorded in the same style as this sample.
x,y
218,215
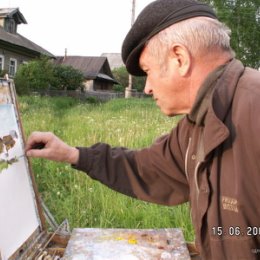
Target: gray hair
x,y
198,35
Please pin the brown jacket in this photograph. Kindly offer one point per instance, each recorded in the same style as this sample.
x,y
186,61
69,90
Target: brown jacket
x,y
216,167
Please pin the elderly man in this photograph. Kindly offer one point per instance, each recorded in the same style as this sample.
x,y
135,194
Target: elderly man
x,y
212,157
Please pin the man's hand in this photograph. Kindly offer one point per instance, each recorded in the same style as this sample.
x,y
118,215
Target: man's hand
x,y
49,146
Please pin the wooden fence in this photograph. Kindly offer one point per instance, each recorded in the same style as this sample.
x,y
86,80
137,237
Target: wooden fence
x,y
98,95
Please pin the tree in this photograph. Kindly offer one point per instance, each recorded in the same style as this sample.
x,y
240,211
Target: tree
x,y
243,18
36,74
42,74
121,75
2,73
66,78
139,83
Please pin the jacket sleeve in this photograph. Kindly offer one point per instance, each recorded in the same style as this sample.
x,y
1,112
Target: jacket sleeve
x,y
154,174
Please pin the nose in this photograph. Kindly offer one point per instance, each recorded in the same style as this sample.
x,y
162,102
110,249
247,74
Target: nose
x,y
148,88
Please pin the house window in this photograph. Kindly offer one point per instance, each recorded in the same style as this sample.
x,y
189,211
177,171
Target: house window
x,y
10,25
2,62
12,67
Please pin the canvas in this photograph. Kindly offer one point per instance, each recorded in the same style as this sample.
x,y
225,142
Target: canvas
x,y
18,213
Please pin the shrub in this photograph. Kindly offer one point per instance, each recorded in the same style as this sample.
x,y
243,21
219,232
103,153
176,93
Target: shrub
x,y
36,74
40,74
66,78
118,88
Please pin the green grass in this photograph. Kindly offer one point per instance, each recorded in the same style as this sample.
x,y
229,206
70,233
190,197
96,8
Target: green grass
x,y
133,123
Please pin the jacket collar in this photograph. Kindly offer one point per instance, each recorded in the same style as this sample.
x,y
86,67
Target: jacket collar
x,y
203,98
215,131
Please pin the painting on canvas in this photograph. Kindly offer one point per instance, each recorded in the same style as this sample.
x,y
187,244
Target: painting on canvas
x,y
18,214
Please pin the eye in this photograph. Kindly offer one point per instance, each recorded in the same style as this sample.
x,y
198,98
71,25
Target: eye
x,y
146,71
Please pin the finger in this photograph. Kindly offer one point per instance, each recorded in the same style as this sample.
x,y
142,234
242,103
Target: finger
x,y
31,140
35,139
38,153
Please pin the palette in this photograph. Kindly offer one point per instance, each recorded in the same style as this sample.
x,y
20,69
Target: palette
x,y
126,244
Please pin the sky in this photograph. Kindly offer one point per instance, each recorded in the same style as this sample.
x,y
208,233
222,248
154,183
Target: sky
x,y
83,27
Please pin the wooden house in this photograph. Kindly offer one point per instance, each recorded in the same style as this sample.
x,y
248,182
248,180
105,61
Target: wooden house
x,y
15,49
96,70
114,59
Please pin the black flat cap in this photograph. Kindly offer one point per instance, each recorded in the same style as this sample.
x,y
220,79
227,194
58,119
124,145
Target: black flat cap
x,y
155,17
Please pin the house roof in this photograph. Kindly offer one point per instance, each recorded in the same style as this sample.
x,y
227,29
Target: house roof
x,y
12,13
18,40
114,60
9,40
92,67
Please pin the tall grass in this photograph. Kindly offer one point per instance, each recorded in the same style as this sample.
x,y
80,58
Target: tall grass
x,y
71,194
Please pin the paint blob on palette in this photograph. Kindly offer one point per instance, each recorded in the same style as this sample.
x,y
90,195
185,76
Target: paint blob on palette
x,y
127,244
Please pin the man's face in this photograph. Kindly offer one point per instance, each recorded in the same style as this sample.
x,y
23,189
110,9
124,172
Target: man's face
x,y
165,84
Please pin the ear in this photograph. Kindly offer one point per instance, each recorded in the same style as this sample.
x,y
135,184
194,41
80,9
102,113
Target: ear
x,y
182,58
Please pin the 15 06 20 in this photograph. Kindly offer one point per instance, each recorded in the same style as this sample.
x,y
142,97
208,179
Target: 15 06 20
x,y
235,231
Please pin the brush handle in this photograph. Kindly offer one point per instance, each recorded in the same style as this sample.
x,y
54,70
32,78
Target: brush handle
x,y
38,146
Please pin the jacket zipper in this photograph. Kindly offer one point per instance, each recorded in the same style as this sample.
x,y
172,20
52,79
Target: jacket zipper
x,y
186,159
195,171
196,179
